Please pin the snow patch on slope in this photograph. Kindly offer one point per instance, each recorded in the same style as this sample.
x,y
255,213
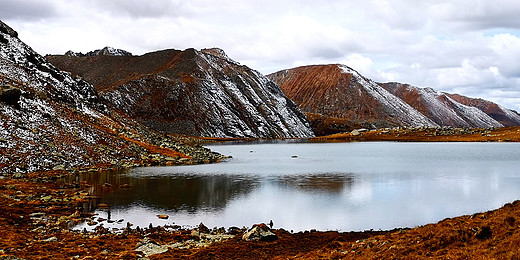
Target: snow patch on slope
x,y
394,105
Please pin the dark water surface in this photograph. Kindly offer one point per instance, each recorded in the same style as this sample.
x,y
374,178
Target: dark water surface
x,y
323,186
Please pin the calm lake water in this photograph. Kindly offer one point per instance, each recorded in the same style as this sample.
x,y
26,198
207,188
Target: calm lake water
x,y
323,186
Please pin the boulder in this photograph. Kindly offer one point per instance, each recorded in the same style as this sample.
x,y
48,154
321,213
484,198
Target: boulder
x,y
260,232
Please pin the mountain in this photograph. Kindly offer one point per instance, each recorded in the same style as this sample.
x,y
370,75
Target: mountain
x,y
51,120
191,92
107,51
506,117
337,98
454,109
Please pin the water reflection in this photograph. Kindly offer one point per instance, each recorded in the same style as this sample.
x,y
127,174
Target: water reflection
x,y
300,186
334,183
194,193
182,192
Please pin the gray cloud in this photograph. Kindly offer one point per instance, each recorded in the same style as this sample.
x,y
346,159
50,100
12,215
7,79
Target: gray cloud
x,y
28,10
466,46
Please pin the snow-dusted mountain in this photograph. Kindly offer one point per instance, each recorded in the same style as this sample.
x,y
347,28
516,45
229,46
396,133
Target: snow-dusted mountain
x,y
453,109
50,119
192,92
337,98
107,51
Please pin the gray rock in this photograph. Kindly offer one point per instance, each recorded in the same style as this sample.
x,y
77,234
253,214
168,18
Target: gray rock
x,y
148,247
261,233
355,133
51,239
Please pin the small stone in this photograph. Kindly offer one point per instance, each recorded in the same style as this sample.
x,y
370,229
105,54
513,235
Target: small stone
x,y
51,239
355,133
202,228
163,216
59,168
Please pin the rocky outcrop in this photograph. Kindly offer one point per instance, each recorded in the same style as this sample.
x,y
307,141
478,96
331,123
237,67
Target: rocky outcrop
x,y
453,109
337,98
191,92
51,120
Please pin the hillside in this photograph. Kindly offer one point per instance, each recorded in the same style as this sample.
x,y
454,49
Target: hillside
x,y
454,109
337,98
191,92
50,120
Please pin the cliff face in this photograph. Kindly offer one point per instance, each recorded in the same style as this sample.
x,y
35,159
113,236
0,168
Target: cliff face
x,y
52,120
337,98
191,92
453,109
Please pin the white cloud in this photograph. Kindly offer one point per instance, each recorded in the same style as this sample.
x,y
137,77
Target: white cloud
x,y
469,46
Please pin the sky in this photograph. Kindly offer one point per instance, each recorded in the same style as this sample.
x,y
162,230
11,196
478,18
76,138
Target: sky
x,y
470,47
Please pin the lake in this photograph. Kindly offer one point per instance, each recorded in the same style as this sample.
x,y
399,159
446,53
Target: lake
x,y
324,186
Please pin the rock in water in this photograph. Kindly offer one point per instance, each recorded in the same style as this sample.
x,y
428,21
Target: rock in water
x,y
260,232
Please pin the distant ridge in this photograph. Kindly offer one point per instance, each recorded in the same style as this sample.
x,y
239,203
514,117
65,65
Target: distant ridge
x,y
336,98
453,109
107,51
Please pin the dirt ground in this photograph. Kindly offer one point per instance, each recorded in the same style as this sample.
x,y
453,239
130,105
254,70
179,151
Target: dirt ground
x,y
37,212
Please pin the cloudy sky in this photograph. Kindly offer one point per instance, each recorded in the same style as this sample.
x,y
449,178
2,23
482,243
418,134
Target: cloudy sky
x,y
471,47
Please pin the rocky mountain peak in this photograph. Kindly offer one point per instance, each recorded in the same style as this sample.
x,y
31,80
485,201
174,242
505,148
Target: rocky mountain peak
x,y
106,51
216,52
190,92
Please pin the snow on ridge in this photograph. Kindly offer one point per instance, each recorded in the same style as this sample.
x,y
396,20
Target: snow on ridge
x,y
395,106
254,92
475,115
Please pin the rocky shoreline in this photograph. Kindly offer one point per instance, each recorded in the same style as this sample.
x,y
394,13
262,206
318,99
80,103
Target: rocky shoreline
x,y
37,213
427,134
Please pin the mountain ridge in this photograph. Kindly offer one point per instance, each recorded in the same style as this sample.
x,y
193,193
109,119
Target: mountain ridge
x,y
337,98
192,92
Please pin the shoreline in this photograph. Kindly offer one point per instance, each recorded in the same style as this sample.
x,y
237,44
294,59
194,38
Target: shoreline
x,y
36,219
37,214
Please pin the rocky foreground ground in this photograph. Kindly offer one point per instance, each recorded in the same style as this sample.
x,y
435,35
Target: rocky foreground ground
x,y
37,211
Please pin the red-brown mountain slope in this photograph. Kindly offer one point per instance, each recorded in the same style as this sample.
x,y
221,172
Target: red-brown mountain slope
x,y
337,98
453,109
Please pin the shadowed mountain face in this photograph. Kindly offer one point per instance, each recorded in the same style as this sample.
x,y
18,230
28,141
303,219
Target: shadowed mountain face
x,y
337,98
454,109
52,120
197,93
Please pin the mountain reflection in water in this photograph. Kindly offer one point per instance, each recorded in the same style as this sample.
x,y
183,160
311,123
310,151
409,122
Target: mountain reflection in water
x,y
196,192
300,186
